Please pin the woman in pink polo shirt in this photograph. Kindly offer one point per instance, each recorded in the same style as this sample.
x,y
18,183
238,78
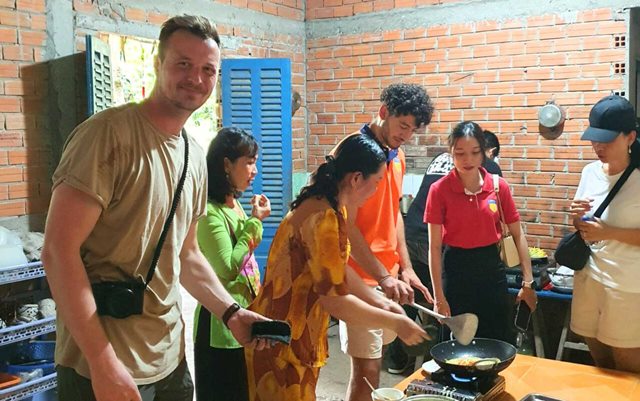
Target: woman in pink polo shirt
x,y
464,231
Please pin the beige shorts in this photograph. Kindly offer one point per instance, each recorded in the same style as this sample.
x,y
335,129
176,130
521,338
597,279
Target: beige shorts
x,y
364,342
604,313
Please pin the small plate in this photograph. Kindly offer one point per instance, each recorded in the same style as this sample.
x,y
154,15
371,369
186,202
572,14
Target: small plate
x,y
430,366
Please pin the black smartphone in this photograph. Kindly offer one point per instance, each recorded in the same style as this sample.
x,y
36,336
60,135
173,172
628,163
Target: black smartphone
x,y
277,330
523,316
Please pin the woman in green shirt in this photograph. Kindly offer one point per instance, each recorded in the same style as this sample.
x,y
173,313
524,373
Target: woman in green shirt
x,y
227,237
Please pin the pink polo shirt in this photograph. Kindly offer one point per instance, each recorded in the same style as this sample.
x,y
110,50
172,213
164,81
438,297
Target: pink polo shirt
x,y
469,221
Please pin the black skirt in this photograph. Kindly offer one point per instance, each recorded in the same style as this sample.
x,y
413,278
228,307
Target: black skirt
x,y
475,282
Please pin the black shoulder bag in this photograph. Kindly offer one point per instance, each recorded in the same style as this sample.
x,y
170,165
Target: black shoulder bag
x,y
572,251
121,299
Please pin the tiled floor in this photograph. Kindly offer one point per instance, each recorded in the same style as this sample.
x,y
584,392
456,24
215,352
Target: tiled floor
x,y
335,375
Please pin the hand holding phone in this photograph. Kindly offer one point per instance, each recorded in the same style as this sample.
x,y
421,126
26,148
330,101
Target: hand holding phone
x,y
277,330
523,316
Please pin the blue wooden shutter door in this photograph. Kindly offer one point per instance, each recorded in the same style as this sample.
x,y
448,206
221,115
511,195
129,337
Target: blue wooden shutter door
x,y
256,96
99,91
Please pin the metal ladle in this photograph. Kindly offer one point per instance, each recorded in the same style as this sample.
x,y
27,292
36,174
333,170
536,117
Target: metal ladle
x,y
463,327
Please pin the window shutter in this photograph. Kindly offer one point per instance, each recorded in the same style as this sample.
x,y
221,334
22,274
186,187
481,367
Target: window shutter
x,y
99,89
256,96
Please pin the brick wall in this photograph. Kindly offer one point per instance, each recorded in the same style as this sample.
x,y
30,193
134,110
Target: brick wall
x,y
290,9
497,73
24,154
321,9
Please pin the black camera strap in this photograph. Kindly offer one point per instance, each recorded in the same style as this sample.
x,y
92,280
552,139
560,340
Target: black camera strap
x,y
615,189
172,212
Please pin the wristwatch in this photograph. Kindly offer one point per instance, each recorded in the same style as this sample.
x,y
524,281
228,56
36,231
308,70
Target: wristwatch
x,y
527,284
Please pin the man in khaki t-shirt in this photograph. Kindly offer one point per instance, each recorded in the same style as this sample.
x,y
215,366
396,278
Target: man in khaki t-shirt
x,y
112,193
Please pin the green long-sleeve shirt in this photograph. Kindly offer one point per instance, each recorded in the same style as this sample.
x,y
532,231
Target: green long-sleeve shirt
x,y
217,245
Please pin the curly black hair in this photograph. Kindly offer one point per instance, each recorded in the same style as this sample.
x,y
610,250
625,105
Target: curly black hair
x,y
408,99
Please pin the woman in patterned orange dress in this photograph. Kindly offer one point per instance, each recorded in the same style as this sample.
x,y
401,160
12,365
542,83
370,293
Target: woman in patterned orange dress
x,y
307,279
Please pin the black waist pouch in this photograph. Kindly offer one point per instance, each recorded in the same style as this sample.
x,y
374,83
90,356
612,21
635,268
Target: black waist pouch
x,y
119,299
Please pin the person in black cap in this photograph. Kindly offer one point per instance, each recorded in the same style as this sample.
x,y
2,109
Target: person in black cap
x,y
606,292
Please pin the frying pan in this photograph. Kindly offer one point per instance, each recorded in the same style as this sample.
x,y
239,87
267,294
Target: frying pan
x,y
480,347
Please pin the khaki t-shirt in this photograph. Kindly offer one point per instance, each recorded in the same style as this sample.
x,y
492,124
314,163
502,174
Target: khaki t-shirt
x,y
132,170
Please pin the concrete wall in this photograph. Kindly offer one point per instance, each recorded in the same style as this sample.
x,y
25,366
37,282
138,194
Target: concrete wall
x,y
495,62
323,9
42,75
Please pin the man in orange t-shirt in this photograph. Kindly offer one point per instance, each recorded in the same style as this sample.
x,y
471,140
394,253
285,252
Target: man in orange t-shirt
x,y
378,249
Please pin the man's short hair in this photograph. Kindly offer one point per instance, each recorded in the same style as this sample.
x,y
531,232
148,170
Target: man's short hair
x,y
408,99
196,25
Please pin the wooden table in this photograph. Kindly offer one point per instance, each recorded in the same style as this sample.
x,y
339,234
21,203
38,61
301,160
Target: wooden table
x,y
562,380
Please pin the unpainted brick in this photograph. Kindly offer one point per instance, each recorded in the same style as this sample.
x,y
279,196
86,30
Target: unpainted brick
x,y
8,35
612,28
381,5
473,115
362,8
20,190
17,52
13,208
603,14
33,38
31,5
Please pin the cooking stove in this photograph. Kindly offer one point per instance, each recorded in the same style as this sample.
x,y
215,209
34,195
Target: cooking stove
x,y
484,388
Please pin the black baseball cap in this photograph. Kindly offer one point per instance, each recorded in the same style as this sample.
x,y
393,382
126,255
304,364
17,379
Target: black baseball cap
x,y
608,118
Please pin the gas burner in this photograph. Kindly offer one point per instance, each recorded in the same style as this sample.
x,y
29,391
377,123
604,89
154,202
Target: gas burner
x,y
460,388
478,384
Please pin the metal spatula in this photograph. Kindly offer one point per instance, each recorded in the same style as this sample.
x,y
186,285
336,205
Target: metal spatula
x,y
463,327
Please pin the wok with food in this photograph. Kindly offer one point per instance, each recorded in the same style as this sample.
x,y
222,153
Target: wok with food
x,y
482,357
473,360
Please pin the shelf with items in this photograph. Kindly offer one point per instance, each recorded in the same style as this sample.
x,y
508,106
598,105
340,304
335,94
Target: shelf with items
x,y
28,271
27,389
23,287
12,334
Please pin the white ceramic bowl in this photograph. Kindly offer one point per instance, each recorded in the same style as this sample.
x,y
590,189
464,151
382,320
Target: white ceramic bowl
x,y
391,394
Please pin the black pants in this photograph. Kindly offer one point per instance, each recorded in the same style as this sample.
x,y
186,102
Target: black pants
x,y
220,373
475,282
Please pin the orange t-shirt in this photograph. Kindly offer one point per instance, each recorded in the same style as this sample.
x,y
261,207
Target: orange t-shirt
x,y
378,217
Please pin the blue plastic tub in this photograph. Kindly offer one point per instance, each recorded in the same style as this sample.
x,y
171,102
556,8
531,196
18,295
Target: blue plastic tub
x,y
33,351
47,367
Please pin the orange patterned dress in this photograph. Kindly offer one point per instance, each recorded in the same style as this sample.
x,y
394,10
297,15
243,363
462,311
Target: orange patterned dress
x,y
306,260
